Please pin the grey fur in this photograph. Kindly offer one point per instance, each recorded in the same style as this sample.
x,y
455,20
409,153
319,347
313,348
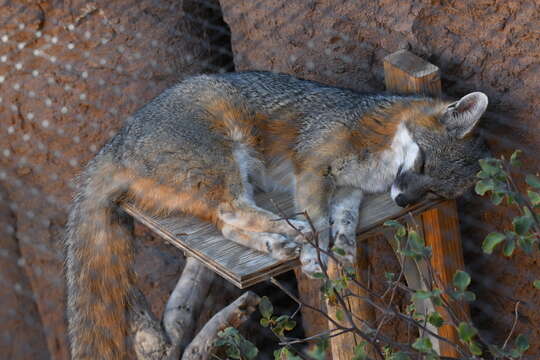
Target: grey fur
x,y
172,141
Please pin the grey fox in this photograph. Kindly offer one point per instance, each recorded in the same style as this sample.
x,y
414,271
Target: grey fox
x,y
203,146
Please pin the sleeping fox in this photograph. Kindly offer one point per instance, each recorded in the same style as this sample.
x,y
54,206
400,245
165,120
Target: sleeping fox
x,y
205,145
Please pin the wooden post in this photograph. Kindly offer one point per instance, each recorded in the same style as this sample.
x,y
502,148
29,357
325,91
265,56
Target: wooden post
x,y
406,73
343,346
441,232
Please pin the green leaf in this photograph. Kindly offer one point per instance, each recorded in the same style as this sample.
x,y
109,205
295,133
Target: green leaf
x,y
285,354
509,246
435,319
466,332
469,296
338,251
497,197
437,301
423,344
416,240
421,295
492,240
392,223
482,175
461,280
522,224
318,275
248,350
266,308
490,166
521,343
265,322
339,315
389,276
526,243
533,181
319,351
233,352
536,284
475,348
399,356
534,197
360,351
289,325
514,158
484,186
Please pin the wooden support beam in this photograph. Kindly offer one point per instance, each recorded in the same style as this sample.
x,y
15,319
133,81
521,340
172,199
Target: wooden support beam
x,y
406,73
441,232
343,346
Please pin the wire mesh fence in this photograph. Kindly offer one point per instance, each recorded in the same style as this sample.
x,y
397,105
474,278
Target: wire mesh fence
x,y
71,72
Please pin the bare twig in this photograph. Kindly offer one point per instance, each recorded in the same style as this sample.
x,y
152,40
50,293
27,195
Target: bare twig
x,y
514,324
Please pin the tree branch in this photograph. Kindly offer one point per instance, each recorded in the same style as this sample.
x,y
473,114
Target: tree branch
x,y
184,305
233,315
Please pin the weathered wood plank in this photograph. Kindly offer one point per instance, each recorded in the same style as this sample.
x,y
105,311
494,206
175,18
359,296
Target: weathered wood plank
x,y
240,265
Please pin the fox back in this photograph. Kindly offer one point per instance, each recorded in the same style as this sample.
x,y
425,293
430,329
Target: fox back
x,y
204,145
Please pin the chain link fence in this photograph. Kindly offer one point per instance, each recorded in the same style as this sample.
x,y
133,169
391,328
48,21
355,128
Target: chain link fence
x,y
72,71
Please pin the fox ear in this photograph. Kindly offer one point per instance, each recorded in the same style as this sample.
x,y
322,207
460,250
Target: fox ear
x,y
461,117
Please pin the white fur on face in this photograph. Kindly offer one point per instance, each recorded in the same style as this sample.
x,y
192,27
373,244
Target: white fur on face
x,y
394,192
406,152
377,173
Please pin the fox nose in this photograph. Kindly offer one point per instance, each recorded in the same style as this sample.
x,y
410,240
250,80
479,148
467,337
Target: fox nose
x,y
401,200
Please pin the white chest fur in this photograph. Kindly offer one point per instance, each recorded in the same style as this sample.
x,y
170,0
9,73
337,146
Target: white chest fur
x,y
377,173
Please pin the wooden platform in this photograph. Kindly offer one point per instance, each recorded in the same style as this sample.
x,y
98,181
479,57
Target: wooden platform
x,y
243,266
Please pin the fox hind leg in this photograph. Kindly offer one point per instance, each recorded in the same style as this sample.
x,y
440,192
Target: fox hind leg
x,y
242,212
278,246
250,217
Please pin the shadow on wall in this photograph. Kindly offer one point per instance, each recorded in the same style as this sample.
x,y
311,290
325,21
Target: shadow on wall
x,y
482,45
70,74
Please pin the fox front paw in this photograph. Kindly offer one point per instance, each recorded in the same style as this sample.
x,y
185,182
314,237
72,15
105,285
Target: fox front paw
x,y
281,247
310,261
344,235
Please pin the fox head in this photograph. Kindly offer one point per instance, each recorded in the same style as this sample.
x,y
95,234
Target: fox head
x,y
446,161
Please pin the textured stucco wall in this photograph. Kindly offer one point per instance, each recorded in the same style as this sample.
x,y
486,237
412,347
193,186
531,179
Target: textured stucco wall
x,y
71,72
487,45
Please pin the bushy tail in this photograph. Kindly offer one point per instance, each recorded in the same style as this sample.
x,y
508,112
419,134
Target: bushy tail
x,y
98,267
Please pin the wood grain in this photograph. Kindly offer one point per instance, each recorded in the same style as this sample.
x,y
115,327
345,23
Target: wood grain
x,y
240,265
441,229
406,73
343,346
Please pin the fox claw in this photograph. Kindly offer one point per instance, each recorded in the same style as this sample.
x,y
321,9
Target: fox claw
x,y
281,247
310,261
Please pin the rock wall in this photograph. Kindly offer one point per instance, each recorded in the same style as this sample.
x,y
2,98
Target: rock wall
x,y
486,45
70,72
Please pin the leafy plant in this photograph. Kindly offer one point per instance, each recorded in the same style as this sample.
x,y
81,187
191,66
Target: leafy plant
x,y
236,346
494,180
